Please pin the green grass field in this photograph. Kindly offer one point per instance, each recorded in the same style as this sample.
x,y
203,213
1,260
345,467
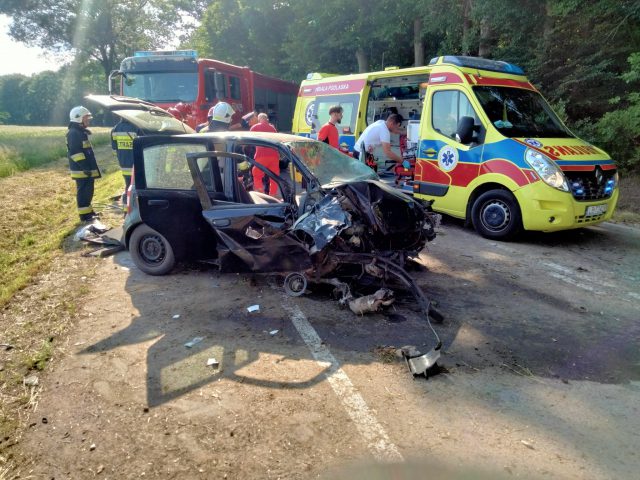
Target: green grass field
x,y
22,147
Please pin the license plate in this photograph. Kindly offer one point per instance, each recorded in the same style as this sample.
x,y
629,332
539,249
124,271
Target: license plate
x,y
595,210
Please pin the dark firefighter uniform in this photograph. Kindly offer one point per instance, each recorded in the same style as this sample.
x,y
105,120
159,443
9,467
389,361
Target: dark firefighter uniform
x,y
122,137
83,168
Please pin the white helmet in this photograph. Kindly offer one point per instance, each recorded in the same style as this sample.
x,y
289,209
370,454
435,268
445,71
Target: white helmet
x,y
221,112
77,113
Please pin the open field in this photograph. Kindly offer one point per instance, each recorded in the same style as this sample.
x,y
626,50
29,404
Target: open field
x,y
25,147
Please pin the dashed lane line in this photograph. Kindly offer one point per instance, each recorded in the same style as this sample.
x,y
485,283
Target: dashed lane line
x,y
375,436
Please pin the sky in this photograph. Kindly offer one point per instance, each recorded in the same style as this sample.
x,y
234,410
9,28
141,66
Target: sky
x,y
16,57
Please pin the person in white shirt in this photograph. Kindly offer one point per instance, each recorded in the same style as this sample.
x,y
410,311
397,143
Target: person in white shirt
x,y
378,134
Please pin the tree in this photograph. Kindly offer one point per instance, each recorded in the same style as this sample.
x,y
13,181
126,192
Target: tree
x,y
104,31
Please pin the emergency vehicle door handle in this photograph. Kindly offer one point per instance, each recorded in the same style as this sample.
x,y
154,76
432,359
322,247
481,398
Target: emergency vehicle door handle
x,y
158,203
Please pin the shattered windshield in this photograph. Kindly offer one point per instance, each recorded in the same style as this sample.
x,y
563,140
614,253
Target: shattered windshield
x,y
329,165
520,113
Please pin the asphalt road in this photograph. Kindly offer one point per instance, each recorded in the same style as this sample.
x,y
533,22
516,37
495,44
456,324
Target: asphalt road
x,y
540,371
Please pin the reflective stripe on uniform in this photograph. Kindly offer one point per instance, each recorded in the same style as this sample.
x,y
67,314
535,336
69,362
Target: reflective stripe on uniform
x,y
77,157
85,210
86,144
124,141
126,171
81,174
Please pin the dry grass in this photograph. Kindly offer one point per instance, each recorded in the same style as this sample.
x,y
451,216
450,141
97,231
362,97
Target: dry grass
x,y
42,278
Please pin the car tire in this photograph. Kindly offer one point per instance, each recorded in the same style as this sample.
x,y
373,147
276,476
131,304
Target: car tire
x,y
496,215
151,251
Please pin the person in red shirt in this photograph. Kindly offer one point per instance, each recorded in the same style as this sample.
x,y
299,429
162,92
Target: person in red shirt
x,y
329,133
265,156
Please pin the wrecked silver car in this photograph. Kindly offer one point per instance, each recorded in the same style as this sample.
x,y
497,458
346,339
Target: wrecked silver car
x,y
329,219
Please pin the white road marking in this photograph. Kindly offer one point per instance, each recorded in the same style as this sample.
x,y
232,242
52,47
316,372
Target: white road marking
x,y
373,433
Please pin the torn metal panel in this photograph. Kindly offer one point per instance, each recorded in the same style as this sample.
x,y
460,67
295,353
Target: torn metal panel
x,y
252,244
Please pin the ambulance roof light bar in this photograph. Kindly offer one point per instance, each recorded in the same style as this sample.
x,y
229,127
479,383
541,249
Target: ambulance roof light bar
x,y
166,53
478,63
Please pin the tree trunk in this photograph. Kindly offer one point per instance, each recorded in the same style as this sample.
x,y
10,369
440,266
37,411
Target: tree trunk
x,y
484,46
418,46
466,26
363,61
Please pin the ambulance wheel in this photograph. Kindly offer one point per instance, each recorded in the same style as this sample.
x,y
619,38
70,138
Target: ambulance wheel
x,y
495,214
151,251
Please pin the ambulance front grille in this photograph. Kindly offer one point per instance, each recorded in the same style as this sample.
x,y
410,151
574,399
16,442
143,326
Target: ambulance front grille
x,y
594,185
589,219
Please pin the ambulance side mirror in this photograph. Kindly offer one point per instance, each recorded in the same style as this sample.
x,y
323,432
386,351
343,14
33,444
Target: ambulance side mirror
x,y
464,132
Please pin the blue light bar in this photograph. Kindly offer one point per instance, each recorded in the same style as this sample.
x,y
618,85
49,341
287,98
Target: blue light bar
x,y
166,53
480,64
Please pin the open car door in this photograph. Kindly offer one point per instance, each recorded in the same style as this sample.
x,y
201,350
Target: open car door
x,y
251,237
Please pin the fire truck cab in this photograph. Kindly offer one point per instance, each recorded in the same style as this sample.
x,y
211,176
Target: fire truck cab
x,y
486,146
168,78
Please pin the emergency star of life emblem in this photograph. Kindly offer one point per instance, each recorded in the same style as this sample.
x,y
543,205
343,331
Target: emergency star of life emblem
x,y
308,114
447,158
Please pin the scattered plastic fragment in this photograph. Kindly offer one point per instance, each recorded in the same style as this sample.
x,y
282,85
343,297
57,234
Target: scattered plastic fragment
x,y
193,342
273,332
31,381
527,444
212,362
92,447
253,308
176,316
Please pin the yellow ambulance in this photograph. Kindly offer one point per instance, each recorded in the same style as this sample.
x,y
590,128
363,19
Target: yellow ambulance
x,y
488,147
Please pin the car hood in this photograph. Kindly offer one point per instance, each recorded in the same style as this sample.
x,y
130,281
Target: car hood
x,y
369,216
148,117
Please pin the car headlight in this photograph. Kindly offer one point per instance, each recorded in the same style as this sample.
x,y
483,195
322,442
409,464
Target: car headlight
x,y
548,171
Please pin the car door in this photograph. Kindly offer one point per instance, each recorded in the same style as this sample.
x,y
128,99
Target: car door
x,y
250,237
167,199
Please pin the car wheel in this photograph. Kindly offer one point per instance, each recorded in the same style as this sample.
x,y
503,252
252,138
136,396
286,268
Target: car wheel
x,y
495,214
150,251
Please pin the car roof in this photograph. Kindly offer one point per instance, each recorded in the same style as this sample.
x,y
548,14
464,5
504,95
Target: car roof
x,y
242,135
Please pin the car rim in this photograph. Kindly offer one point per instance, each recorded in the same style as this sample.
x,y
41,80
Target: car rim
x,y
495,215
152,249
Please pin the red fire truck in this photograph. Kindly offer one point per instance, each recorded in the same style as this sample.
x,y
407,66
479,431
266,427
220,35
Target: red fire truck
x,y
168,78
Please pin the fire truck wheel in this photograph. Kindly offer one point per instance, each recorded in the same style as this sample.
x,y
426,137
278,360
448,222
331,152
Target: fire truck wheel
x,y
150,251
495,214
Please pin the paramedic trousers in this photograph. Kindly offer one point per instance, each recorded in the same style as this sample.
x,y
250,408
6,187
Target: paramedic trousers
x,y
84,196
262,183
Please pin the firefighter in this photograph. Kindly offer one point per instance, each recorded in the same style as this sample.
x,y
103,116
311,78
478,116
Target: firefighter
x,y
219,119
122,137
82,161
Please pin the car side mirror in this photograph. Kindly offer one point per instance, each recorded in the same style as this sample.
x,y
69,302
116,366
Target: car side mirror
x,y
464,132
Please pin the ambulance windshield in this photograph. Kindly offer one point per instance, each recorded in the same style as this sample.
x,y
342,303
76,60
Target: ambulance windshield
x,y
516,112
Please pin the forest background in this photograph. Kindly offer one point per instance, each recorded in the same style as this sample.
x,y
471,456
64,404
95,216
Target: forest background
x,y
583,55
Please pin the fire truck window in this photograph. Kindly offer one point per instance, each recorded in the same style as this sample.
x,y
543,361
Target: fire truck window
x,y
221,85
210,86
234,82
447,108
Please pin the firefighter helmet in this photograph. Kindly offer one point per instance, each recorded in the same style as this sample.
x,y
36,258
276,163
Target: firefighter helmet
x,y
221,112
78,113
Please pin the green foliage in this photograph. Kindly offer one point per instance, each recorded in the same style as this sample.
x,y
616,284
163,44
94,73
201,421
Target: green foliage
x,y
104,31
24,148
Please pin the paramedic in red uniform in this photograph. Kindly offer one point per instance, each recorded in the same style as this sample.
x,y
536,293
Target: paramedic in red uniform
x,y
267,157
329,133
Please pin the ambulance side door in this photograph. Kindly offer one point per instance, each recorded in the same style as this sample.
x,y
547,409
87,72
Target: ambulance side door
x,y
446,164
